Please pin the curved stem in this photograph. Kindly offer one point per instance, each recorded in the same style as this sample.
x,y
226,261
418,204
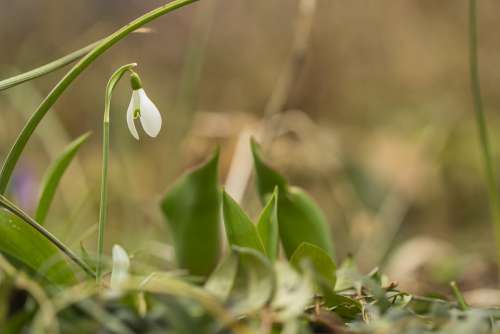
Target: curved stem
x,y
103,207
48,102
62,247
482,128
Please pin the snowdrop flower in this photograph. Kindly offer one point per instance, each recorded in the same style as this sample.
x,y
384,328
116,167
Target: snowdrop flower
x,y
121,265
143,108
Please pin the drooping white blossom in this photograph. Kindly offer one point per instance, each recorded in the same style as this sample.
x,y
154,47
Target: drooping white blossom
x,y
141,107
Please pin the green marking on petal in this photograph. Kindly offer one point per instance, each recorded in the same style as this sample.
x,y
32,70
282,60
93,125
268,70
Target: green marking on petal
x,y
137,113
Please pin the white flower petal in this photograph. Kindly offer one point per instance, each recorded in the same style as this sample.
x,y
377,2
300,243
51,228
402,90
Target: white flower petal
x,y
134,103
150,116
121,264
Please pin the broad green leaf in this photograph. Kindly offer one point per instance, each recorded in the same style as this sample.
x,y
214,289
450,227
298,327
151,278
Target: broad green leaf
x,y
254,283
321,263
53,177
22,242
300,219
240,230
221,281
192,210
267,227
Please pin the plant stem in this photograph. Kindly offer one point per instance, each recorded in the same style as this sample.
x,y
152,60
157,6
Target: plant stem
x,y
103,207
458,296
21,141
483,130
47,68
62,247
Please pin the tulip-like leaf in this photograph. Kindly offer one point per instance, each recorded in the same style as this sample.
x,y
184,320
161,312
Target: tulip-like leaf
x,y
267,227
254,283
240,230
245,280
221,281
300,219
53,176
23,243
192,211
318,260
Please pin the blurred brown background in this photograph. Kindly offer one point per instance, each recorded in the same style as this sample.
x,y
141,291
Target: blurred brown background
x,y
377,123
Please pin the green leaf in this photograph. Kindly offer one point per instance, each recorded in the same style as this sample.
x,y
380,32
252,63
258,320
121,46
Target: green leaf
x,y
267,226
267,178
300,219
53,177
22,242
254,283
47,68
240,230
192,210
321,263
221,281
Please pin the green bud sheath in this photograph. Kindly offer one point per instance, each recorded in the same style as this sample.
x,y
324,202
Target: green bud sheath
x,y
135,81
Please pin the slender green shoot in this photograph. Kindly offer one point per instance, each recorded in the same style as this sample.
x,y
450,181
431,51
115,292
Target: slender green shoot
x,y
14,209
21,141
103,207
482,128
53,177
458,296
47,68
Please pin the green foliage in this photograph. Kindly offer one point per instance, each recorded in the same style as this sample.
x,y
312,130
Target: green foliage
x,y
254,282
192,210
300,219
311,256
22,242
244,281
240,230
53,176
221,281
267,226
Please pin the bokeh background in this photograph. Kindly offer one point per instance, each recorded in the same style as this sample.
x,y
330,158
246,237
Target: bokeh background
x,y
365,104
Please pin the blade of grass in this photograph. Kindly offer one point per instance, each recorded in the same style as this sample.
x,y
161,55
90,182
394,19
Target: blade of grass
x,y
21,141
4,202
482,128
47,68
103,208
53,177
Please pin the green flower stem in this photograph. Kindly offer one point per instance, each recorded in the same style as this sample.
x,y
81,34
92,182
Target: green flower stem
x,y
458,296
4,202
21,141
483,130
47,68
103,208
